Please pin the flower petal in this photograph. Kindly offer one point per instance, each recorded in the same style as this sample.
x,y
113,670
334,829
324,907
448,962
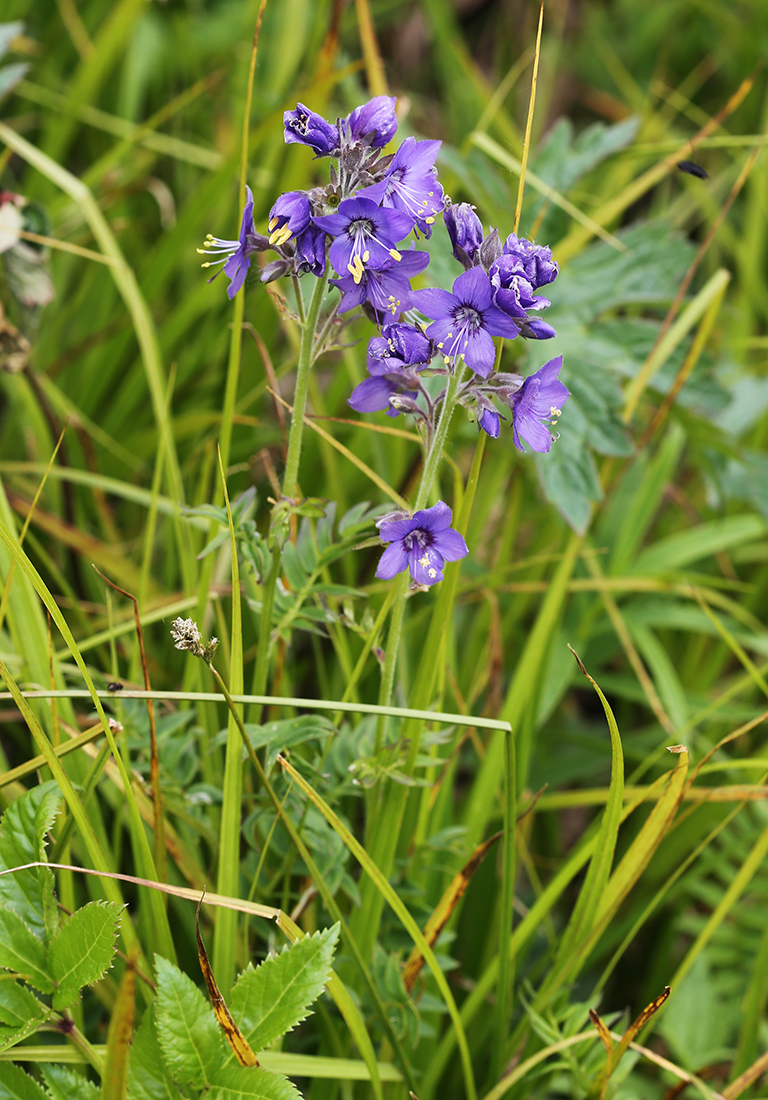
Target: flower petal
x,y
372,395
451,545
473,288
393,561
434,303
426,565
434,519
480,353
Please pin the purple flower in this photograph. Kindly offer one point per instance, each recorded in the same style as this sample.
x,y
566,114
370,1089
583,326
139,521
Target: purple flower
x,y
398,346
310,252
365,234
288,217
465,230
490,422
535,260
466,320
374,123
540,398
387,288
308,128
236,255
512,292
411,183
536,329
423,544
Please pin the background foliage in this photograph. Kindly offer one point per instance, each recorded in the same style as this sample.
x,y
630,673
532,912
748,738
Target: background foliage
x,y
640,540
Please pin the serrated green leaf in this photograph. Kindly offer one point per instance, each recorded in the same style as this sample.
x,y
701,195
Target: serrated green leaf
x,y
20,1012
22,840
272,998
252,1083
147,1076
64,1084
82,950
293,731
15,1084
190,1039
22,952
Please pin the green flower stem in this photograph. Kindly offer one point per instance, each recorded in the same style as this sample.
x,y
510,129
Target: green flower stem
x,y
291,474
429,473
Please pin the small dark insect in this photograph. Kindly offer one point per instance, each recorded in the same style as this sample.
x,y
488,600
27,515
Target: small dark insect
x,y
693,169
114,686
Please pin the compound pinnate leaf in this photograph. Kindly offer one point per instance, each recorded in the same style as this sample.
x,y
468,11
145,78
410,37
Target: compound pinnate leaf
x,y
251,1083
82,950
272,998
64,1084
22,840
23,952
15,1084
190,1039
20,1013
147,1076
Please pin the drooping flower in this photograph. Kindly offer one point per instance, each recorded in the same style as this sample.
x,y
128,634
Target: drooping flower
x,y
392,361
387,288
288,217
535,260
411,183
490,422
236,255
536,329
306,127
373,123
537,406
465,321
422,543
465,230
364,234
310,252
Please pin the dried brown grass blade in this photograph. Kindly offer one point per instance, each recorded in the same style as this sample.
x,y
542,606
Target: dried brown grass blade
x,y
232,1032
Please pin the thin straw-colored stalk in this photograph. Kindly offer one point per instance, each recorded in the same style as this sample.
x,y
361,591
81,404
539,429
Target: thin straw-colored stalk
x,y
529,123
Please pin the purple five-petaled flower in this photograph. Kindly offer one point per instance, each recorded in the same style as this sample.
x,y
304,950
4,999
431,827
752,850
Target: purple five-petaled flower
x,y
236,255
465,321
422,543
387,288
365,234
540,398
534,260
411,183
306,127
512,292
373,123
465,231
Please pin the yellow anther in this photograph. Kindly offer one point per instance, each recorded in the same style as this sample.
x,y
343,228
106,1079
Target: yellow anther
x,y
447,360
432,574
366,256
430,220
440,345
424,561
275,221
356,269
280,236
555,412
395,254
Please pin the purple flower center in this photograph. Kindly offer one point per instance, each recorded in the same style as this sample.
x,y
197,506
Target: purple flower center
x,y
422,538
361,227
468,318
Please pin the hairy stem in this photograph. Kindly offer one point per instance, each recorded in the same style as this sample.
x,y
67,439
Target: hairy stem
x,y
291,474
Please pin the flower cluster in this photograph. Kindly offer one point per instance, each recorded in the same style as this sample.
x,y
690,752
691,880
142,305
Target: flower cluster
x,y
357,224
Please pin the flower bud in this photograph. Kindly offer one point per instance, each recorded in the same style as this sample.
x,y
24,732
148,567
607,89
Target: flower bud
x,y
465,230
536,329
373,123
490,422
306,127
490,250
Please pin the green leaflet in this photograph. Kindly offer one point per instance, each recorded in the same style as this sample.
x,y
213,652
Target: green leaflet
x,y
193,1046
15,1084
272,998
23,952
22,840
81,952
20,1012
250,1081
64,1084
147,1078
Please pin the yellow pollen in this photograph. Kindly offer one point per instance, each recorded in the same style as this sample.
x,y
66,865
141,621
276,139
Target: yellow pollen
x,y
209,264
273,223
366,256
356,269
432,574
431,193
424,561
440,345
429,221
280,236
450,335
395,254
555,411
446,360
209,236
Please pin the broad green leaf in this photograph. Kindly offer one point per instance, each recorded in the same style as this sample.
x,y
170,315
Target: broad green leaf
x,y
272,998
277,736
190,1039
23,952
147,1076
251,1083
15,1084
64,1084
699,542
82,950
22,840
569,477
293,568
20,1012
